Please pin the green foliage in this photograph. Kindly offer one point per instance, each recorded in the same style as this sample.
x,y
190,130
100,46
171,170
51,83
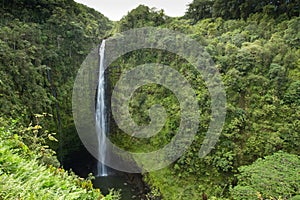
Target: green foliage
x,y
259,61
199,9
42,44
24,174
275,177
140,17
254,44
232,9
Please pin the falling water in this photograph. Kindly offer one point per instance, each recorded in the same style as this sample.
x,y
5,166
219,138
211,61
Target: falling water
x,y
101,123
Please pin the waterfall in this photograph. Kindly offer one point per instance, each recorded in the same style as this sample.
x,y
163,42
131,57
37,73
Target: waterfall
x,y
101,116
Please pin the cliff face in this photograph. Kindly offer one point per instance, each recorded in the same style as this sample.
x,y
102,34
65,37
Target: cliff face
x,y
43,44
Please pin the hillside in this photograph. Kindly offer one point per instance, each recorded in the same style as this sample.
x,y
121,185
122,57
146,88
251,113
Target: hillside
x,y
42,44
29,169
258,56
253,44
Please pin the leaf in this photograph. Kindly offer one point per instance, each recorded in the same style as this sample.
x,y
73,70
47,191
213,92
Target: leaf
x,y
51,138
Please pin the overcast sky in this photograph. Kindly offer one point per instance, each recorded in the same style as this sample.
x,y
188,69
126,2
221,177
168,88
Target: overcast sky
x,y
116,9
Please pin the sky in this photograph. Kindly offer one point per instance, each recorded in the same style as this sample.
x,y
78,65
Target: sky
x,y
116,9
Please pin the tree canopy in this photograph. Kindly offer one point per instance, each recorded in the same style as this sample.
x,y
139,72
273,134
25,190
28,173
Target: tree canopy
x,y
232,9
254,45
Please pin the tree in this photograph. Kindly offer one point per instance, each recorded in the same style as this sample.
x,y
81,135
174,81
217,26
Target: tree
x,y
140,17
274,176
199,9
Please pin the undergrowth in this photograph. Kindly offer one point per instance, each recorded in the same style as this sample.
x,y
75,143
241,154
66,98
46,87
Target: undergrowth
x,y
30,171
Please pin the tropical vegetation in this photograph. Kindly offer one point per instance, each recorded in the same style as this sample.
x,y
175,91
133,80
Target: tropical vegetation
x,y
254,45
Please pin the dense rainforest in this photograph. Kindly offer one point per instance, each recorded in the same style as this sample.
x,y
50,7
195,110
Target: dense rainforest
x,y
254,45
42,44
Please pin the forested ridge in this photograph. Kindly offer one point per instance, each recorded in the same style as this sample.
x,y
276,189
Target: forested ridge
x,y
257,53
42,44
254,45
241,9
